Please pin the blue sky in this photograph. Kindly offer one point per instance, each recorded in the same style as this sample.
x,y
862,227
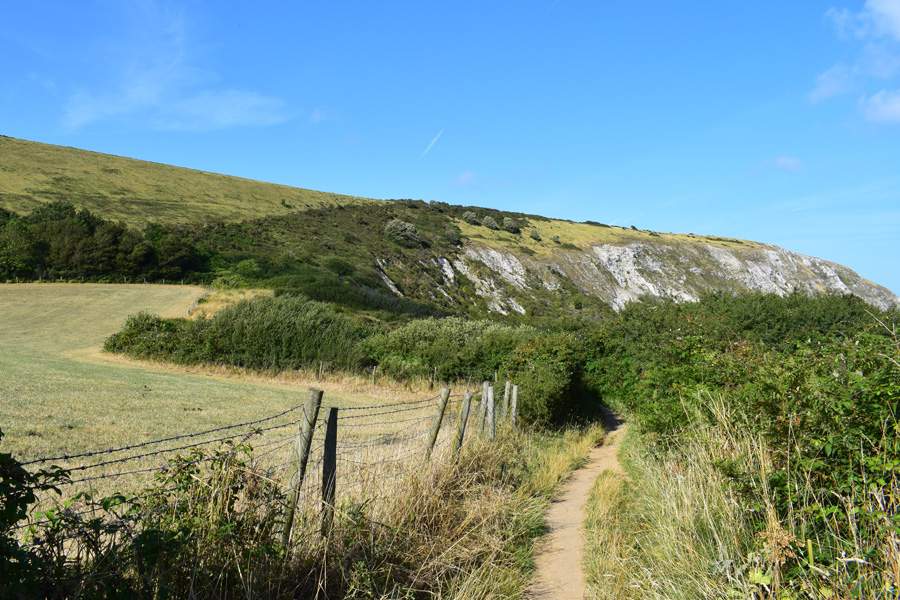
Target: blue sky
x,y
772,121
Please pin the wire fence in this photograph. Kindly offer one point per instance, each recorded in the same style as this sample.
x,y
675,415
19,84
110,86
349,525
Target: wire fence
x,y
285,474
376,446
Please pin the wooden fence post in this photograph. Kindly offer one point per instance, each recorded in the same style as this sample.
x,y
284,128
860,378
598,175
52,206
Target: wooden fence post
x,y
514,409
491,417
329,472
482,409
436,424
504,412
304,440
463,417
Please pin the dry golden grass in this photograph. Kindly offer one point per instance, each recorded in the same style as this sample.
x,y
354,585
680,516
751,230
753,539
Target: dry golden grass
x,y
583,235
214,300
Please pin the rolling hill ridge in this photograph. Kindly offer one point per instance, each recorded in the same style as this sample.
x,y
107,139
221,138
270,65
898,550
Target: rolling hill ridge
x,y
462,260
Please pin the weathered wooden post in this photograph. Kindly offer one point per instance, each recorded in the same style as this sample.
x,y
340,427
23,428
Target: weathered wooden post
x,y
329,472
304,440
504,412
491,418
514,409
436,424
463,417
483,408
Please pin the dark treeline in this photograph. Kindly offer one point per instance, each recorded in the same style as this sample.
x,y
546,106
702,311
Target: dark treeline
x,y
59,241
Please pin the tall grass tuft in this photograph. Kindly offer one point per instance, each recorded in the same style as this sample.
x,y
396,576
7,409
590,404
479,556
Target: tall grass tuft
x,y
689,524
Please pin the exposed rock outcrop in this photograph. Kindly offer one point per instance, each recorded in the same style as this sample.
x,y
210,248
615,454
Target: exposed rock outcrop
x,y
621,273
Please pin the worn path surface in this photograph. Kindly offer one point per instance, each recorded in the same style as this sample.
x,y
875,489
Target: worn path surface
x,y
558,573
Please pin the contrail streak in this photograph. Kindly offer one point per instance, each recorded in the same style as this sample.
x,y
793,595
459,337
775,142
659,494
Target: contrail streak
x,y
432,143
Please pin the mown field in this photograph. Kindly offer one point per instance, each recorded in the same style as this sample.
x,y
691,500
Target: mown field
x,y
61,394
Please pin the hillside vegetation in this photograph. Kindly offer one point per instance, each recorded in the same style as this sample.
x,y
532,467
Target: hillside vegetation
x,y
71,214
138,192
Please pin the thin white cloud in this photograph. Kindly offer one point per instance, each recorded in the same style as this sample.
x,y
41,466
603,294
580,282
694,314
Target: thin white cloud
x,y
154,80
882,107
885,16
317,116
786,163
464,179
836,81
875,31
432,143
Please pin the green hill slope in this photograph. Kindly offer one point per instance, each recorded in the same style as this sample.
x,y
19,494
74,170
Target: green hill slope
x,y
138,192
464,260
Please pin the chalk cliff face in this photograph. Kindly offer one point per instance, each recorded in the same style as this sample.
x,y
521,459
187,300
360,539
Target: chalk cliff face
x,y
618,273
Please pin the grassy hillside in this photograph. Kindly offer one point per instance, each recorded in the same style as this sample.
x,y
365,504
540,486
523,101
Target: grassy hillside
x,y
138,192
60,394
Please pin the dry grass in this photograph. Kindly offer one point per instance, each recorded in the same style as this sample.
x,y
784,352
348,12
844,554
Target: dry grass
x,y
139,192
214,300
62,395
679,530
584,235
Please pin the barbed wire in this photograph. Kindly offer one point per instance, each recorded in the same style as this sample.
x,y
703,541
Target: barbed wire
x,y
390,452
160,441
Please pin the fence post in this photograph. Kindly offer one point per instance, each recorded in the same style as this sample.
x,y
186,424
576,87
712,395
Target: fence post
x,y
304,439
514,409
463,417
504,412
482,409
491,417
329,471
436,425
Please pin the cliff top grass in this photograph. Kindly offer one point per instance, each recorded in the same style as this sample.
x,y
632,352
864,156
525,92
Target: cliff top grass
x,y
139,192
581,236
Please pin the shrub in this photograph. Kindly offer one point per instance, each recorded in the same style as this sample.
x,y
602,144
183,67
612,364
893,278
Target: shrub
x,y
403,233
535,235
490,223
555,239
456,347
470,217
511,225
286,332
547,370
452,236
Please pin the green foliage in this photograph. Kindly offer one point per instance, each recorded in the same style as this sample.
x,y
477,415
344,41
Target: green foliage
x,y
510,225
21,566
547,370
535,235
817,378
403,233
555,239
458,348
470,217
59,241
452,236
490,223
286,332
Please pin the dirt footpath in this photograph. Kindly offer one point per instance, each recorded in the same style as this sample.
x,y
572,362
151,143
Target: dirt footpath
x,y
559,574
